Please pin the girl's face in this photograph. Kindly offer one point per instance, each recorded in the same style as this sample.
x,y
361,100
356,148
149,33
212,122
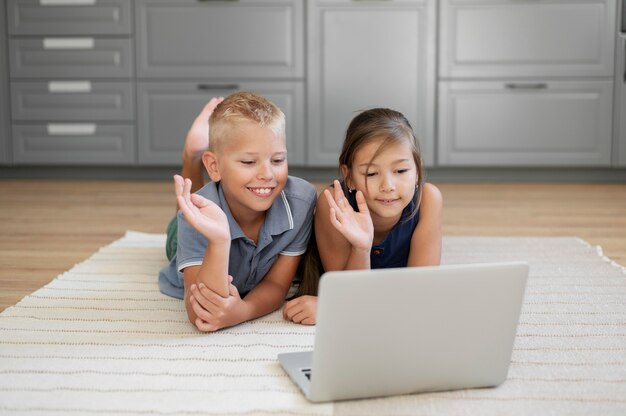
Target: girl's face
x,y
391,178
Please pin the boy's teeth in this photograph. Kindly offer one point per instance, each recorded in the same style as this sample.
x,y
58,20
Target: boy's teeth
x,y
262,190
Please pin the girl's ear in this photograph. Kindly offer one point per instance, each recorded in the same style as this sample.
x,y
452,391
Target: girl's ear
x,y
211,163
345,172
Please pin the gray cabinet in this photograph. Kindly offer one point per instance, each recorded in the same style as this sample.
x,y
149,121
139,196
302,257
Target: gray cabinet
x,y
220,39
526,83
526,38
5,114
556,123
619,113
103,17
167,109
71,73
190,51
368,54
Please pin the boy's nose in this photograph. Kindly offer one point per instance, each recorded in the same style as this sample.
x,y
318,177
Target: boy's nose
x,y
265,171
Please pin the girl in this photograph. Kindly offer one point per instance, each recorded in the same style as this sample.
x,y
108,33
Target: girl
x,y
380,215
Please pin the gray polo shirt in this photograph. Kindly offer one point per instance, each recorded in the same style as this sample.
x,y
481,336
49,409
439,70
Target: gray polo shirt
x,y
286,231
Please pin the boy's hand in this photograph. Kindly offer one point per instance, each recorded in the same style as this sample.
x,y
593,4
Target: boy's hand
x,y
213,311
356,227
301,310
204,215
197,140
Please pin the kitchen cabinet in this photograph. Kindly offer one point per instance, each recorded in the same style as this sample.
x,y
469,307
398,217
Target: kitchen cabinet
x,y
619,112
526,83
5,114
368,54
221,39
71,72
167,109
556,123
190,51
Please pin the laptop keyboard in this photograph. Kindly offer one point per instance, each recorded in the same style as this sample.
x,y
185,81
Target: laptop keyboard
x,y
307,372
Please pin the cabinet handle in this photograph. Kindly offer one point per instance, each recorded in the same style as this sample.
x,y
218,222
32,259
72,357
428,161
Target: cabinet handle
x,y
86,129
69,86
211,87
68,43
537,86
67,2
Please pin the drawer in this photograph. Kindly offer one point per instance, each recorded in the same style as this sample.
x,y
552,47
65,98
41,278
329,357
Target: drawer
x,y
69,17
530,123
527,38
220,39
75,57
166,111
72,100
73,144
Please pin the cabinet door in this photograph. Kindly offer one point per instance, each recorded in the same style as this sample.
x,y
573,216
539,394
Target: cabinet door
x,y
73,144
364,55
220,39
75,57
166,111
73,100
620,98
525,124
69,17
5,116
526,38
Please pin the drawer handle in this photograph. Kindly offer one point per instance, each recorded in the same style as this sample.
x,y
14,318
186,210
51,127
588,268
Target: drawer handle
x,y
68,43
67,2
211,87
69,86
537,86
87,129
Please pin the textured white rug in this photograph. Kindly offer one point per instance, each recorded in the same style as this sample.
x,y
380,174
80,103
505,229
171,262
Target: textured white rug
x,y
101,339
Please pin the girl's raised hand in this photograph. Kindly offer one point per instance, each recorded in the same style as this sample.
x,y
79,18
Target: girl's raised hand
x,y
356,227
204,215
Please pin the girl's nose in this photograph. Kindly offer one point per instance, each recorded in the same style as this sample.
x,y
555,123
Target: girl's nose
x,y
387,184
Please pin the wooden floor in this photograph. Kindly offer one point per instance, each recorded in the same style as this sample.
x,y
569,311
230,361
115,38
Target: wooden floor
x,y
48,226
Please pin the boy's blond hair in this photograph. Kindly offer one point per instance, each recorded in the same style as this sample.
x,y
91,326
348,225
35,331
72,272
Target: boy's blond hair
x,y
243,107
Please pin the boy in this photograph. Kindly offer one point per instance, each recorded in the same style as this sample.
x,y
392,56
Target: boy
x,y
252,221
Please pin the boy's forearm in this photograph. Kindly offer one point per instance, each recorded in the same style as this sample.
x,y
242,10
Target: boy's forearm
x,y
214,270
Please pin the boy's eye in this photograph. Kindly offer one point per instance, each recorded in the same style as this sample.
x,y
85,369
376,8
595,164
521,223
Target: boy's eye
x,y
247,162
278,161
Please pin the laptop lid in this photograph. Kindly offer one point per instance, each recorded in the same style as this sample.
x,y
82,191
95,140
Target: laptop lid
x,y
396,331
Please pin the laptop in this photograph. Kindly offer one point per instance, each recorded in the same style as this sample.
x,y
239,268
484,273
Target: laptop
x,y
407,330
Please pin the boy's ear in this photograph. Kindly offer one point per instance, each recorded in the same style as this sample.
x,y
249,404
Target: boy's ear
x,y
211,164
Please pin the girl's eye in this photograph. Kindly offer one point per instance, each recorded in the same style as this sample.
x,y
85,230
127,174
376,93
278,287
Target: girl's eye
x,y
402,170
370,174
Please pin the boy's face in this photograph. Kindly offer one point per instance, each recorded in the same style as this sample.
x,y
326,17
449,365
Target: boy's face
x,y
251,164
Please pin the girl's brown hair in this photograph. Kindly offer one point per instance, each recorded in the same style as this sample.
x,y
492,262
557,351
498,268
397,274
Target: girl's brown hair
x,y
381,123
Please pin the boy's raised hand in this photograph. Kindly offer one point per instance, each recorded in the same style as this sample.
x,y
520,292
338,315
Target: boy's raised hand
x,y
204,215
197,140
356,227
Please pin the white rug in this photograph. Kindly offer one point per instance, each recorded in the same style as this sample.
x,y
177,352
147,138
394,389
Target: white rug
x,y
101,339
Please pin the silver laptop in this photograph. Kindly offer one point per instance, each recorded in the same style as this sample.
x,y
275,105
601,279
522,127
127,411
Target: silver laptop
x,y
397,331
